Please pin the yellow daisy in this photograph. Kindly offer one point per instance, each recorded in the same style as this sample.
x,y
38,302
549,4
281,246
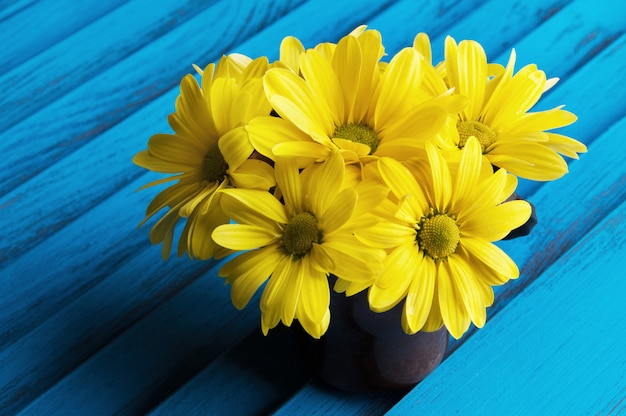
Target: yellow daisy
x,y
498,115
208,151
342,101
295,245
441,258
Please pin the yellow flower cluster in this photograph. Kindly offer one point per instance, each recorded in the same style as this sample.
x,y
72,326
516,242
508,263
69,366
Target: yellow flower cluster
x,y
392,174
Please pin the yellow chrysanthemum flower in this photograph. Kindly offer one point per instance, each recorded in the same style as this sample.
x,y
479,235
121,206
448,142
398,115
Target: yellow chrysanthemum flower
x,y
208,151
498,114
441,257
339,99
296,245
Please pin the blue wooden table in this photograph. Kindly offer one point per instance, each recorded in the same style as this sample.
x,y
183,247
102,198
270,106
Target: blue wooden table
x,y
92,321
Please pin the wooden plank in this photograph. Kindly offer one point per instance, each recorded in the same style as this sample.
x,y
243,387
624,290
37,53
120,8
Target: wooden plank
x,y
60,269
141,366
558,348
9,8
245,380
42,357
73,61
114,94
28,31
538,243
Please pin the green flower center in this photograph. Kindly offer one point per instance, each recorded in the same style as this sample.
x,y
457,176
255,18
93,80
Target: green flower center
x,y
300,233
482,132
214,166
358,133
438,235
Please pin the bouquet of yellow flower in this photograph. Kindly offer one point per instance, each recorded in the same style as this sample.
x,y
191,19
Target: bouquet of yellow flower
x,y
394,175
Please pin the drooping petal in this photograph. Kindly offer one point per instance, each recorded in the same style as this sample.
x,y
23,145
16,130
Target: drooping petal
x,y
419,299
451,304
315,293
469,289
248,271
492,256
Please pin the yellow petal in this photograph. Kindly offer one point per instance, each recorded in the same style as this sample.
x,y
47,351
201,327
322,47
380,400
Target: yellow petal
x,y
472,64
315,294
494,223
420,295
339,211
253,174
235,147
565,145
468,174
543,120
442,183
372,50
266,132
290,50
321,184
319,73
288,180
291,97
421,43
192,117
529,160
386,235
451,305
420,123
251,206
400,180
176,149
243,236
492,256
248,271
223,91
398,86
147,161
469,290
347,61
305,153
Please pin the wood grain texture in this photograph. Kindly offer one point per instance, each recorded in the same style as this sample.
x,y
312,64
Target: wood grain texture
x,y
69,63
78,117
29,29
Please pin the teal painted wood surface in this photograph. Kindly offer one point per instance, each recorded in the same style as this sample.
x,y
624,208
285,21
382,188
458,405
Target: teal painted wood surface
x,y
93,322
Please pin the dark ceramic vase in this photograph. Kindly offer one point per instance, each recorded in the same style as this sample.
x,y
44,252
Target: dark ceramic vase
x,y
366,351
